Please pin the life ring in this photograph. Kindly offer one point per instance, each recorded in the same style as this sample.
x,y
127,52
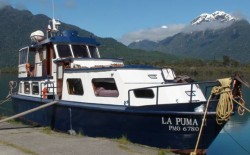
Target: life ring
x,y
44,92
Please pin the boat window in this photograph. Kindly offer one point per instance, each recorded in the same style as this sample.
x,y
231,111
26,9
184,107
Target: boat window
x,y
20,87
105,87
75,86
93,52
23,55
35,88
31,59
80,51
144,93
64,51
26,87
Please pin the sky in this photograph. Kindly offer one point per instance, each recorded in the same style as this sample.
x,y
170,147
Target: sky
x,y
130,20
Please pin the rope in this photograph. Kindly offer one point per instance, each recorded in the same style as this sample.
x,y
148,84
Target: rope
x,y
202,125
12,85
226,102
225,106
29,111
6,100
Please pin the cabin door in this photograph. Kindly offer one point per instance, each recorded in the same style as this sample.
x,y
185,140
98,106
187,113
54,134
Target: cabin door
x,y
47,61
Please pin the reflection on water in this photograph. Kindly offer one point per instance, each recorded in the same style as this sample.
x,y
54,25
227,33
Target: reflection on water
x,y
233,139
235,136
237,122
5,108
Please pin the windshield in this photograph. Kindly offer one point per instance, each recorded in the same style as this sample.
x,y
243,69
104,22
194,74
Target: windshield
x,y
93,51
80,51
64,51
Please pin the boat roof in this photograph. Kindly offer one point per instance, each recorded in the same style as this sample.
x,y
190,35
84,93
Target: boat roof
x,y
69,37
127,67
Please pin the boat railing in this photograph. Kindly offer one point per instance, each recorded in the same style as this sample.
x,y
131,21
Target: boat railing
x,y
207,85
45,89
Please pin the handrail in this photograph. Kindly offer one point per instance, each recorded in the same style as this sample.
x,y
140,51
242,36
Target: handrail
x,y
172,85
47,83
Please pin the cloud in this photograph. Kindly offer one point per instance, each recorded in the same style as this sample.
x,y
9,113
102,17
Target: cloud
x,y
207,26
160,33
153,34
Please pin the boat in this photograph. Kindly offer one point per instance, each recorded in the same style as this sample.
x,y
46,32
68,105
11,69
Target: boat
x,y
103,97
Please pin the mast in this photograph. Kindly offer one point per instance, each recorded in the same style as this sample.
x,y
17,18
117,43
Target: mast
x,y
54,24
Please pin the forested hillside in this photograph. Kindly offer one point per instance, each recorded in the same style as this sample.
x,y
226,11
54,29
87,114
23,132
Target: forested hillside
x,y
17,25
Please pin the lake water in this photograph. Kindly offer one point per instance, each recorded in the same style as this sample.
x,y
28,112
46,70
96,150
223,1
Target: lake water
x,y
233,139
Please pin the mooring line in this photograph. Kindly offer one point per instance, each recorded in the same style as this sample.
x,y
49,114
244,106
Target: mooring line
x,y
29,111
236,141
6,100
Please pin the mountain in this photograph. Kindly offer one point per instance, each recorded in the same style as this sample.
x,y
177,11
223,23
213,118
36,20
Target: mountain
x,y
217,16
144,45
212,37
17,25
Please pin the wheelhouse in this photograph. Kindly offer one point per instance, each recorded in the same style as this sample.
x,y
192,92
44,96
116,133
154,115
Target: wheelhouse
x,y
43,62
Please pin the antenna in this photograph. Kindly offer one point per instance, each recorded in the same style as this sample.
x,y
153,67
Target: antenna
x,y
53,9
54,24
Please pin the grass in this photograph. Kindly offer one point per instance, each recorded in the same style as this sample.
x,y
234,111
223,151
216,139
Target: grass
x,y
123,140
80,133
163,152
22,149
12,121
47,130
125,145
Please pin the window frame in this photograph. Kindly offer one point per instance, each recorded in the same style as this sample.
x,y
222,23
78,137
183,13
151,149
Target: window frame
x,y
81,45
26,91
69,87
102,88
138,93
35,84
97,55
69,48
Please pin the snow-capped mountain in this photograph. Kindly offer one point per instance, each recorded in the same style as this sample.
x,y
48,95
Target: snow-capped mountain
x,y
220,16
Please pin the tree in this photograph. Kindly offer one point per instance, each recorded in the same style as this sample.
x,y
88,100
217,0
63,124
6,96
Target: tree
x,y
226,60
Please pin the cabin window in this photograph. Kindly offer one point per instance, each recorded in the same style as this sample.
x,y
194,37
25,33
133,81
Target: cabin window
x,y
80,51
144,93
105,87
75,86
35,88
26,87
20,87
31,58
93,52
23,55
64,51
